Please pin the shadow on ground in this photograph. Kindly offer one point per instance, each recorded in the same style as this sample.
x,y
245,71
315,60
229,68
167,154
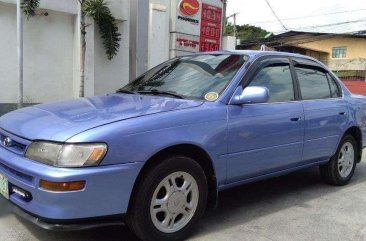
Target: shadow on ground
x,y
236,206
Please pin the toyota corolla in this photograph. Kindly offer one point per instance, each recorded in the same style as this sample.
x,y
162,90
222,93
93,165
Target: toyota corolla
x,y
156,153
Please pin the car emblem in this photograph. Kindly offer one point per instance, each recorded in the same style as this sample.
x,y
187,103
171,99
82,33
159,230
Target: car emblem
x,y
8,142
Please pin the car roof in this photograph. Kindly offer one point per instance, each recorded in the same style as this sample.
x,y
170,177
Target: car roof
x,y
257,53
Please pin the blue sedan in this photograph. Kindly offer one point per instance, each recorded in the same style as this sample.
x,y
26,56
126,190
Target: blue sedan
x,y
156,153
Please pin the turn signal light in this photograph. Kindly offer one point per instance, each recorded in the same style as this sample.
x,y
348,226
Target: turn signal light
x,y
62,186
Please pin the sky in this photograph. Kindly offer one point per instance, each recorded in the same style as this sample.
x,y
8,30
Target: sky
x,y
301,15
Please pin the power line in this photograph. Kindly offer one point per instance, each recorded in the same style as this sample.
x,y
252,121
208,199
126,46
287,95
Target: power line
x,y
274,13
326,25
309,16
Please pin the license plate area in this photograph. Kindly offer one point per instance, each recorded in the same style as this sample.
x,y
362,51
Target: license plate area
x,y
4,186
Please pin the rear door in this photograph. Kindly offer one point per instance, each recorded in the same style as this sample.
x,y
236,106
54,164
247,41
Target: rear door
x,y
326,112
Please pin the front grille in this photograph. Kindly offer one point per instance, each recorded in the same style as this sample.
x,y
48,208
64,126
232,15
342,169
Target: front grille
x,y
17,145
21,175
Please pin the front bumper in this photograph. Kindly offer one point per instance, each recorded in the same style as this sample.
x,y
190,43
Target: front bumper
x,y
71,225
107,191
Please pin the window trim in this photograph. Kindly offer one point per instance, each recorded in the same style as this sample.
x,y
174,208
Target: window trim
x,y
339,48
327,73
255,64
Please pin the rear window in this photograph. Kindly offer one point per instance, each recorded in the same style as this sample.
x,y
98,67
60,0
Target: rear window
x,y
313,83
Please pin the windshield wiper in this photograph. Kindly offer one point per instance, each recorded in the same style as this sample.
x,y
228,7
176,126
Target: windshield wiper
x,y
126,91
159,92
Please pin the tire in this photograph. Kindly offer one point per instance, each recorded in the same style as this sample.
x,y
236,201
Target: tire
x,y
178,187
339,170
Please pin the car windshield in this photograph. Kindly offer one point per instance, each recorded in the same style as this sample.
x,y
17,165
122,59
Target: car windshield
x,y
197,77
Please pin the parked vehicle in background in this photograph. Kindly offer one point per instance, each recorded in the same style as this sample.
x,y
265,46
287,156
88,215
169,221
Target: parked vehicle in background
x,y
156,153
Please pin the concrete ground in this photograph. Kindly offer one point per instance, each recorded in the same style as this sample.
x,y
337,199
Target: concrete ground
x,y
295,207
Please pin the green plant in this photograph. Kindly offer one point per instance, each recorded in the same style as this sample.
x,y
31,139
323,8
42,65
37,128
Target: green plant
x,y
108,29
29,7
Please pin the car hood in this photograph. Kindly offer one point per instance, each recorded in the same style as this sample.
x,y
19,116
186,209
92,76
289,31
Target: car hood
x,y
61,120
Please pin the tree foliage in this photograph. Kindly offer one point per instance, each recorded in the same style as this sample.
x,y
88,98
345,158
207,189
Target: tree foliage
x,y
108,29
29,7
246,32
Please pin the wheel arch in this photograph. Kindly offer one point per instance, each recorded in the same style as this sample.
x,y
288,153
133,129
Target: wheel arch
x,y
355,131
189,150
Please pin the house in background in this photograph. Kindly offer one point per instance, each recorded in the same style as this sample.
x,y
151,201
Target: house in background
x,y
345,54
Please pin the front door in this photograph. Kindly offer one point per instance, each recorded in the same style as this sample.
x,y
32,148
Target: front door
x,y
267,137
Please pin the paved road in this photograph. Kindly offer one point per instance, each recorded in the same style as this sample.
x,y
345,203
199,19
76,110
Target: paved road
x,y
297,207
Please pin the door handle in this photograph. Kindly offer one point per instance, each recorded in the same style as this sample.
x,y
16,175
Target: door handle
x,y
295,119
343,113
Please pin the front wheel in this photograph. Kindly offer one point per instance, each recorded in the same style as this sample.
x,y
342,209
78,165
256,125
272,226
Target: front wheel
x,y
339,170
169,200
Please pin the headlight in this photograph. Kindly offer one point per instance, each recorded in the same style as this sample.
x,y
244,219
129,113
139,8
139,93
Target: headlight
x,y
66,155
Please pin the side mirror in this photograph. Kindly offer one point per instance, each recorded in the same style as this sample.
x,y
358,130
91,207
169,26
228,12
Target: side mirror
x,y
250,95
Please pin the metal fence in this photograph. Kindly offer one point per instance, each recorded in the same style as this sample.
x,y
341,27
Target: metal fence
x,y
352,72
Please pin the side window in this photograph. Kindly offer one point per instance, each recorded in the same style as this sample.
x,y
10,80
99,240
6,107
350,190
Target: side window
x,y
339,52
334,88
313,83
277,78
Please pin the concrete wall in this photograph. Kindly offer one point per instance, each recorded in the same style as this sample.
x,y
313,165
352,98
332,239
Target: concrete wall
x,y
46,65
159,31
52,50
111,75
139,31
228,43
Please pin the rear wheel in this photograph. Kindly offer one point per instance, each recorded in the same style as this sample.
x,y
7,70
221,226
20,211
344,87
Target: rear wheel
x,y
169,200
339,170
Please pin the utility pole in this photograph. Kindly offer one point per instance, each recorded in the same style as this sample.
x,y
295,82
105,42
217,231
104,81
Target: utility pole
x,y
235,24
20,51
224,20
234,17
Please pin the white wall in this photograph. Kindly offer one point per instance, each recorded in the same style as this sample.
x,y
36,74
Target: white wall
x,y
8,53
111,75
48,56
228,43
51,53
159,24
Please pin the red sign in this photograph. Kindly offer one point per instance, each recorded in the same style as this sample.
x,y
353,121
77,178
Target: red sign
x,y
209,44
189,7
210,28
187,42
211,13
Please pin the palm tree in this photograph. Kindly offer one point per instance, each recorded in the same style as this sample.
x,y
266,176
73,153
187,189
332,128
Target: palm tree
x,y
108,29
